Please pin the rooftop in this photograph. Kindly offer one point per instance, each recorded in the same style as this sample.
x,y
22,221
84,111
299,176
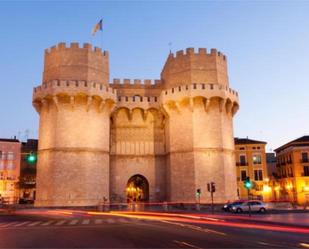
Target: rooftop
x,y
11,140
247,141
301,141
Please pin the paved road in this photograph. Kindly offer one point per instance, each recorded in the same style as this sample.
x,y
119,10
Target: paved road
x,y
63,230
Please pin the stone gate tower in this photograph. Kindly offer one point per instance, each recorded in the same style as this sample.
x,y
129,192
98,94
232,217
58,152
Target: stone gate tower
x,y
148,140
74,103
200,107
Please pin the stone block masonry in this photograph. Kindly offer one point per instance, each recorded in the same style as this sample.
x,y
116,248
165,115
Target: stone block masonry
x,y
134,140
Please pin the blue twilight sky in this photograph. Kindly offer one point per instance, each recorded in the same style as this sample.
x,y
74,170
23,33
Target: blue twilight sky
x,y
267,44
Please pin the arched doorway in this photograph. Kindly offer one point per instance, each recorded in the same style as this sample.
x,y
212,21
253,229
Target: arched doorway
x,y
137,189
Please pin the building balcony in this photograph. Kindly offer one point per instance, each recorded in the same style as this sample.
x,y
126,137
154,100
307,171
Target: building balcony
x,y
257,163
241,163
304,160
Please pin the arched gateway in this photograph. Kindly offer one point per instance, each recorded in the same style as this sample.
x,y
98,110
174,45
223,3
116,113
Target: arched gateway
x,y
137,189
178,129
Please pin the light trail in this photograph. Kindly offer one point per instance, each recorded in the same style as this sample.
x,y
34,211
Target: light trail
x,y
185,218
196,220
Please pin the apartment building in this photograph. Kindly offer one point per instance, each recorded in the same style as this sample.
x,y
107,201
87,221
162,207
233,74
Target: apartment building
x,y
10,154
293,171
251,162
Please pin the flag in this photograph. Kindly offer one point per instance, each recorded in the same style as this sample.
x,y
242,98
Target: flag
x,y
97,27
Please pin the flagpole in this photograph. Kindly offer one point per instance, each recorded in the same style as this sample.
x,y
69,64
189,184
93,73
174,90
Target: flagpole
x,y
98,28
102,39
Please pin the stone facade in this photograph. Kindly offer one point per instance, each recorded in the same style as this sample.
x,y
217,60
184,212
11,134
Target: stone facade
x,y
176,133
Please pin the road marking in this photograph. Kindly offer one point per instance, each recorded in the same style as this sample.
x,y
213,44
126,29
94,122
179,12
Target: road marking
x,y
4,224
123,220
22,223
98,221
59,223
9,224
304,245
73,222
206,230
34,223
47,223
263,243
269,244
85,222
110,221
182,243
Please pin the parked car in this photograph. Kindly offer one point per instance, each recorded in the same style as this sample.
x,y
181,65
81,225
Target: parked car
x,y
255,206
228,206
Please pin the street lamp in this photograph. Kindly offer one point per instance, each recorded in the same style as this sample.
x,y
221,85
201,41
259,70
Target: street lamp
x,y
306,188
289,186
266,189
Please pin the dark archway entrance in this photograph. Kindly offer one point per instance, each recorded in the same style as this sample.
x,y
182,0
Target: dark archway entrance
x,y
137,189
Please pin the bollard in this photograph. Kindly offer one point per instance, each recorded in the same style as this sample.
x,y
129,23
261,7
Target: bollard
x,y
198,207
100,207
165,206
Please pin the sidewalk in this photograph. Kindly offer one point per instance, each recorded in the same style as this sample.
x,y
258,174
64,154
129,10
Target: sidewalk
x,y
295,219
289,219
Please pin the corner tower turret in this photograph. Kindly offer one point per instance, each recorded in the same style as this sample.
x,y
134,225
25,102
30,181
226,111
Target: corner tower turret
x,y
74,62
74,103
199,130
190,66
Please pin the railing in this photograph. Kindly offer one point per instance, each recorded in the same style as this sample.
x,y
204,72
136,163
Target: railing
x,y
241,163
304,160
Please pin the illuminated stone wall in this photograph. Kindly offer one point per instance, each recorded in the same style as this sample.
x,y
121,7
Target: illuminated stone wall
x,y
177,132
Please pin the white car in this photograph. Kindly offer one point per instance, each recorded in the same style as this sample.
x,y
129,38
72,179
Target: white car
x,y
255,206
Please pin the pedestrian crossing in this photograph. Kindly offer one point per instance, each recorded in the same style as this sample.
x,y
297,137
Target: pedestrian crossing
x,y
69,222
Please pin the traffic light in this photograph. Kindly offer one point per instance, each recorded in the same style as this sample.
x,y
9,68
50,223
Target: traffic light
x,y
248,183
213,187
31,158
198,192
208,187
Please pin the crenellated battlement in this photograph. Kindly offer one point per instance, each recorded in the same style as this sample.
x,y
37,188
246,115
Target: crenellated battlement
x,y
138,102
71,62
136,83
208,92
72,88
137,99
190,65
61,46
73,84
199,52
199,87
